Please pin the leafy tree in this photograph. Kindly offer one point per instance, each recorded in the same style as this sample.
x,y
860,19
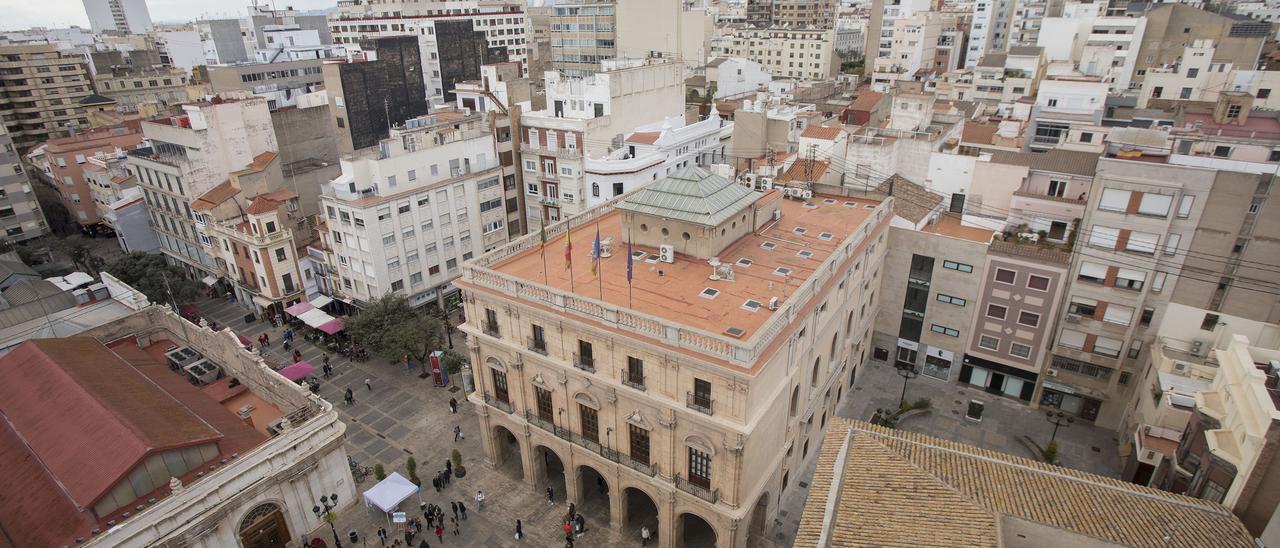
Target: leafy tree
x,y
79,252
452,361
393,329
154,277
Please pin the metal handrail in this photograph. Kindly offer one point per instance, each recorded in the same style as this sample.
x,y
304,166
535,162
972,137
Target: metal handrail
x,y
699,403
538,345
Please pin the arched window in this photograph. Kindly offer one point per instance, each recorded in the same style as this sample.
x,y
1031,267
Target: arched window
x,y
795,400
834,339
813,376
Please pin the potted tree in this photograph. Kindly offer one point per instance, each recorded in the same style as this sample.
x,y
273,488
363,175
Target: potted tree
x,y
458,469
412,465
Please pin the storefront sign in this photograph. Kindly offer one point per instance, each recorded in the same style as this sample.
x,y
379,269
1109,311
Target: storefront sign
x,y
911,345
1059,387
940,353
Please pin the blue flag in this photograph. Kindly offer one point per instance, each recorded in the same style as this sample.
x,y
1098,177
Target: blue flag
x,y
595,255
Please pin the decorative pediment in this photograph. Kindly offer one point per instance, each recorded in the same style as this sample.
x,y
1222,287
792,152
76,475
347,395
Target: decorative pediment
x,y
540,382
495,363
697,441
637,418
585,398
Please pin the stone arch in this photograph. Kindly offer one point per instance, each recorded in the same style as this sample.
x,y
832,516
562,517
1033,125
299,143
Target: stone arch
x,y
639,509
505,446
550,469
263,525
701,443
496,363
694,530
585,398
813,373
593,493
758,526
795,401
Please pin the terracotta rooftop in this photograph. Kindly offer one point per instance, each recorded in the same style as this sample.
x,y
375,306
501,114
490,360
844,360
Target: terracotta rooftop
x,y
645,137
675,295
215,196
983,134
259,163
116,407
797,171
1056,160
268,202
914,202
866,100
949,225
821,132
899,488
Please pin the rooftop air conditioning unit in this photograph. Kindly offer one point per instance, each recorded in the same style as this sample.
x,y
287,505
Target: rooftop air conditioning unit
x,y
807,194
667,253
773,303
1198,348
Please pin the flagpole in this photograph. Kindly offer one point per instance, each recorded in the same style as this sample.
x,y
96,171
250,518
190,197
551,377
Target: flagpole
x,y
599,260
629,259
543,251
568,251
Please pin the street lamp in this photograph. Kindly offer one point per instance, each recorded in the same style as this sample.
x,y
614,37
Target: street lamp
x,y
907,372
1058,420
324,511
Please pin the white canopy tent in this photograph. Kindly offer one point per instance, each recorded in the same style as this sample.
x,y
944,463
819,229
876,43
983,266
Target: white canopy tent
x,y
390,492
315,317
320,301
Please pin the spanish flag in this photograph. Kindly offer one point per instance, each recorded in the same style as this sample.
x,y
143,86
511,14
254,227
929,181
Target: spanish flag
x,y
568,248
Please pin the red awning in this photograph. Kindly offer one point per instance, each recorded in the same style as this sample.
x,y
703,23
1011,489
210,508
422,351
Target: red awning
x,y
332,326
297,370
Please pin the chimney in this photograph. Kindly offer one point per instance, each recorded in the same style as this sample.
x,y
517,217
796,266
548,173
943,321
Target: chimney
x,y
1233,108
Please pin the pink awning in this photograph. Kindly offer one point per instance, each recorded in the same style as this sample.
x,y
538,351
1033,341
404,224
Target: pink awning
x,y
299,308
297,370
244,341
332,327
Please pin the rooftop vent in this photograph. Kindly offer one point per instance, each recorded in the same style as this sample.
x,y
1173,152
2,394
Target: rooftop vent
x,y
768,245
826,236
800,230
709,293
829,201
735,332
851,204
744,262
782,271
869,206
751,305
804,254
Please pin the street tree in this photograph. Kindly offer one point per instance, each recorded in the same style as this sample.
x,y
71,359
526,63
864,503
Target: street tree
x,y
160,281
395,330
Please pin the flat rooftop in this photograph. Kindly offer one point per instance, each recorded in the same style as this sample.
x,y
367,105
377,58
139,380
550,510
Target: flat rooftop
x,y
804,237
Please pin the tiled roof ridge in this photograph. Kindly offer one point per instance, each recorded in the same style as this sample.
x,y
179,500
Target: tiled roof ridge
x,y
1028,465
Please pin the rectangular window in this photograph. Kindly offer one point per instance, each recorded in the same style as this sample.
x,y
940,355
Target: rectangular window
x,y
944,330
996,311
951,300
1114,199
280,255
542,396
702,393
1038,283
989,343
590,422
1155,204
1171,244
639,441
1117,314
1071,339
1005,276
1127,278
1020,350
1093,272
699,468
1209,323
1105,237
952,265
1184,206
1106,346
1142,242
500,386
1029,319
1082,306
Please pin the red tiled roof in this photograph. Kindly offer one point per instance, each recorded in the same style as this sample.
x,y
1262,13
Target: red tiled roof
x,y
215,196
978,133
115,407
821,132
866,100
262,204
260,162
796,171
644,137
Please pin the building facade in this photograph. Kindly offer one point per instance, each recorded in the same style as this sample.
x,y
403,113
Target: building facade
x,y
69,156
696,430
801,54
120,16
41,88
367,97
20,213
582,35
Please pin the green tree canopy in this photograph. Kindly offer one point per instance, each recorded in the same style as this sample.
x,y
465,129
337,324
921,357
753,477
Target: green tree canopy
x,y
394,329
154,277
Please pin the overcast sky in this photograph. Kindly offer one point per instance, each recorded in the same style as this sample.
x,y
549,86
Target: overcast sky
x,y
21,14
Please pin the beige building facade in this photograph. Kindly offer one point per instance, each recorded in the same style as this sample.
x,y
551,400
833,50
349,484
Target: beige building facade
x,y
692,429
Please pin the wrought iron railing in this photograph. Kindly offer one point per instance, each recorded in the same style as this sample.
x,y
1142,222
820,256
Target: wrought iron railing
x,y
709,495
699,403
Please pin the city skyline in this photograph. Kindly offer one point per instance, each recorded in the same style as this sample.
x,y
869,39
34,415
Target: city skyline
x,y
68,13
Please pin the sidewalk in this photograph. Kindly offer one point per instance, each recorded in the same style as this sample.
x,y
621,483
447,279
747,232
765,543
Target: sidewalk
x,y
406,416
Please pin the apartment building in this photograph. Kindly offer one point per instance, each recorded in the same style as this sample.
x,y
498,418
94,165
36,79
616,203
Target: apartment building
x,y
684,35
68,157
405,215
583,117
880,28
582,35
1007,76
499,93
120,16
800,54
1095,45
991,29
1063,106
107,177
40,91
1201,76
503,24
369,95
191,154
130,87
1171,27
229,41
280,82
913,47
20,215
1028,16
655,150
252,242
694,426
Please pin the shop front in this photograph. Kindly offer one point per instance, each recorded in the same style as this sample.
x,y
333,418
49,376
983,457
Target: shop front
x,y
937,362
998,378
1070,401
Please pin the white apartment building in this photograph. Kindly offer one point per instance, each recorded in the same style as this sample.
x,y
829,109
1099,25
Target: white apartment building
x,y
1199,77
191,154
990,30
1028,17
1106,47
284,43
122,16
1063,105
589,116
913,47
696,425
880,29
735,76
653,151
405,215
802,54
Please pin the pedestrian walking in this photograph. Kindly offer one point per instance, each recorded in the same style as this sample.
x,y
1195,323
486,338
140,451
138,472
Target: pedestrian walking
x,y
479,500
267,337
448,476
440,533
272,319
462,508
262,341
551,495
568,530
644,535
455,526
448,466
430,515
368,383
453,406
417,525
382,536
454,504
350,397
408,537
328,371
457,433
287,345
581,524
297,356
325,357
435,482
519,530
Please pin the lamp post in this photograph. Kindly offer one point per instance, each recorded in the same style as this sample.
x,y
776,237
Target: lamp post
x,y
1058,420
907,372
324,511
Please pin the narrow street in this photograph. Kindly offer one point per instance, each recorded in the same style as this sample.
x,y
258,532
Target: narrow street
x,y
404,416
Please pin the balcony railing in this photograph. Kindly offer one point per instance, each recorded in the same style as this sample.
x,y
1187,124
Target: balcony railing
x,y
645,468
538,345
634,381
491,329
709,495
585,363
699,403
574,438
540,422
490,399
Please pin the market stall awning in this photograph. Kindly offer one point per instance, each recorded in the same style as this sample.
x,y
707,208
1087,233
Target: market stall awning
x,y
262,301
332,326
297,370
210,280
390,492
320,301
315,318
244,341
299,308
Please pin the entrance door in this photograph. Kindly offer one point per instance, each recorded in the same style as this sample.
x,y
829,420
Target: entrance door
x,y
264,527
997,383
1090,409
